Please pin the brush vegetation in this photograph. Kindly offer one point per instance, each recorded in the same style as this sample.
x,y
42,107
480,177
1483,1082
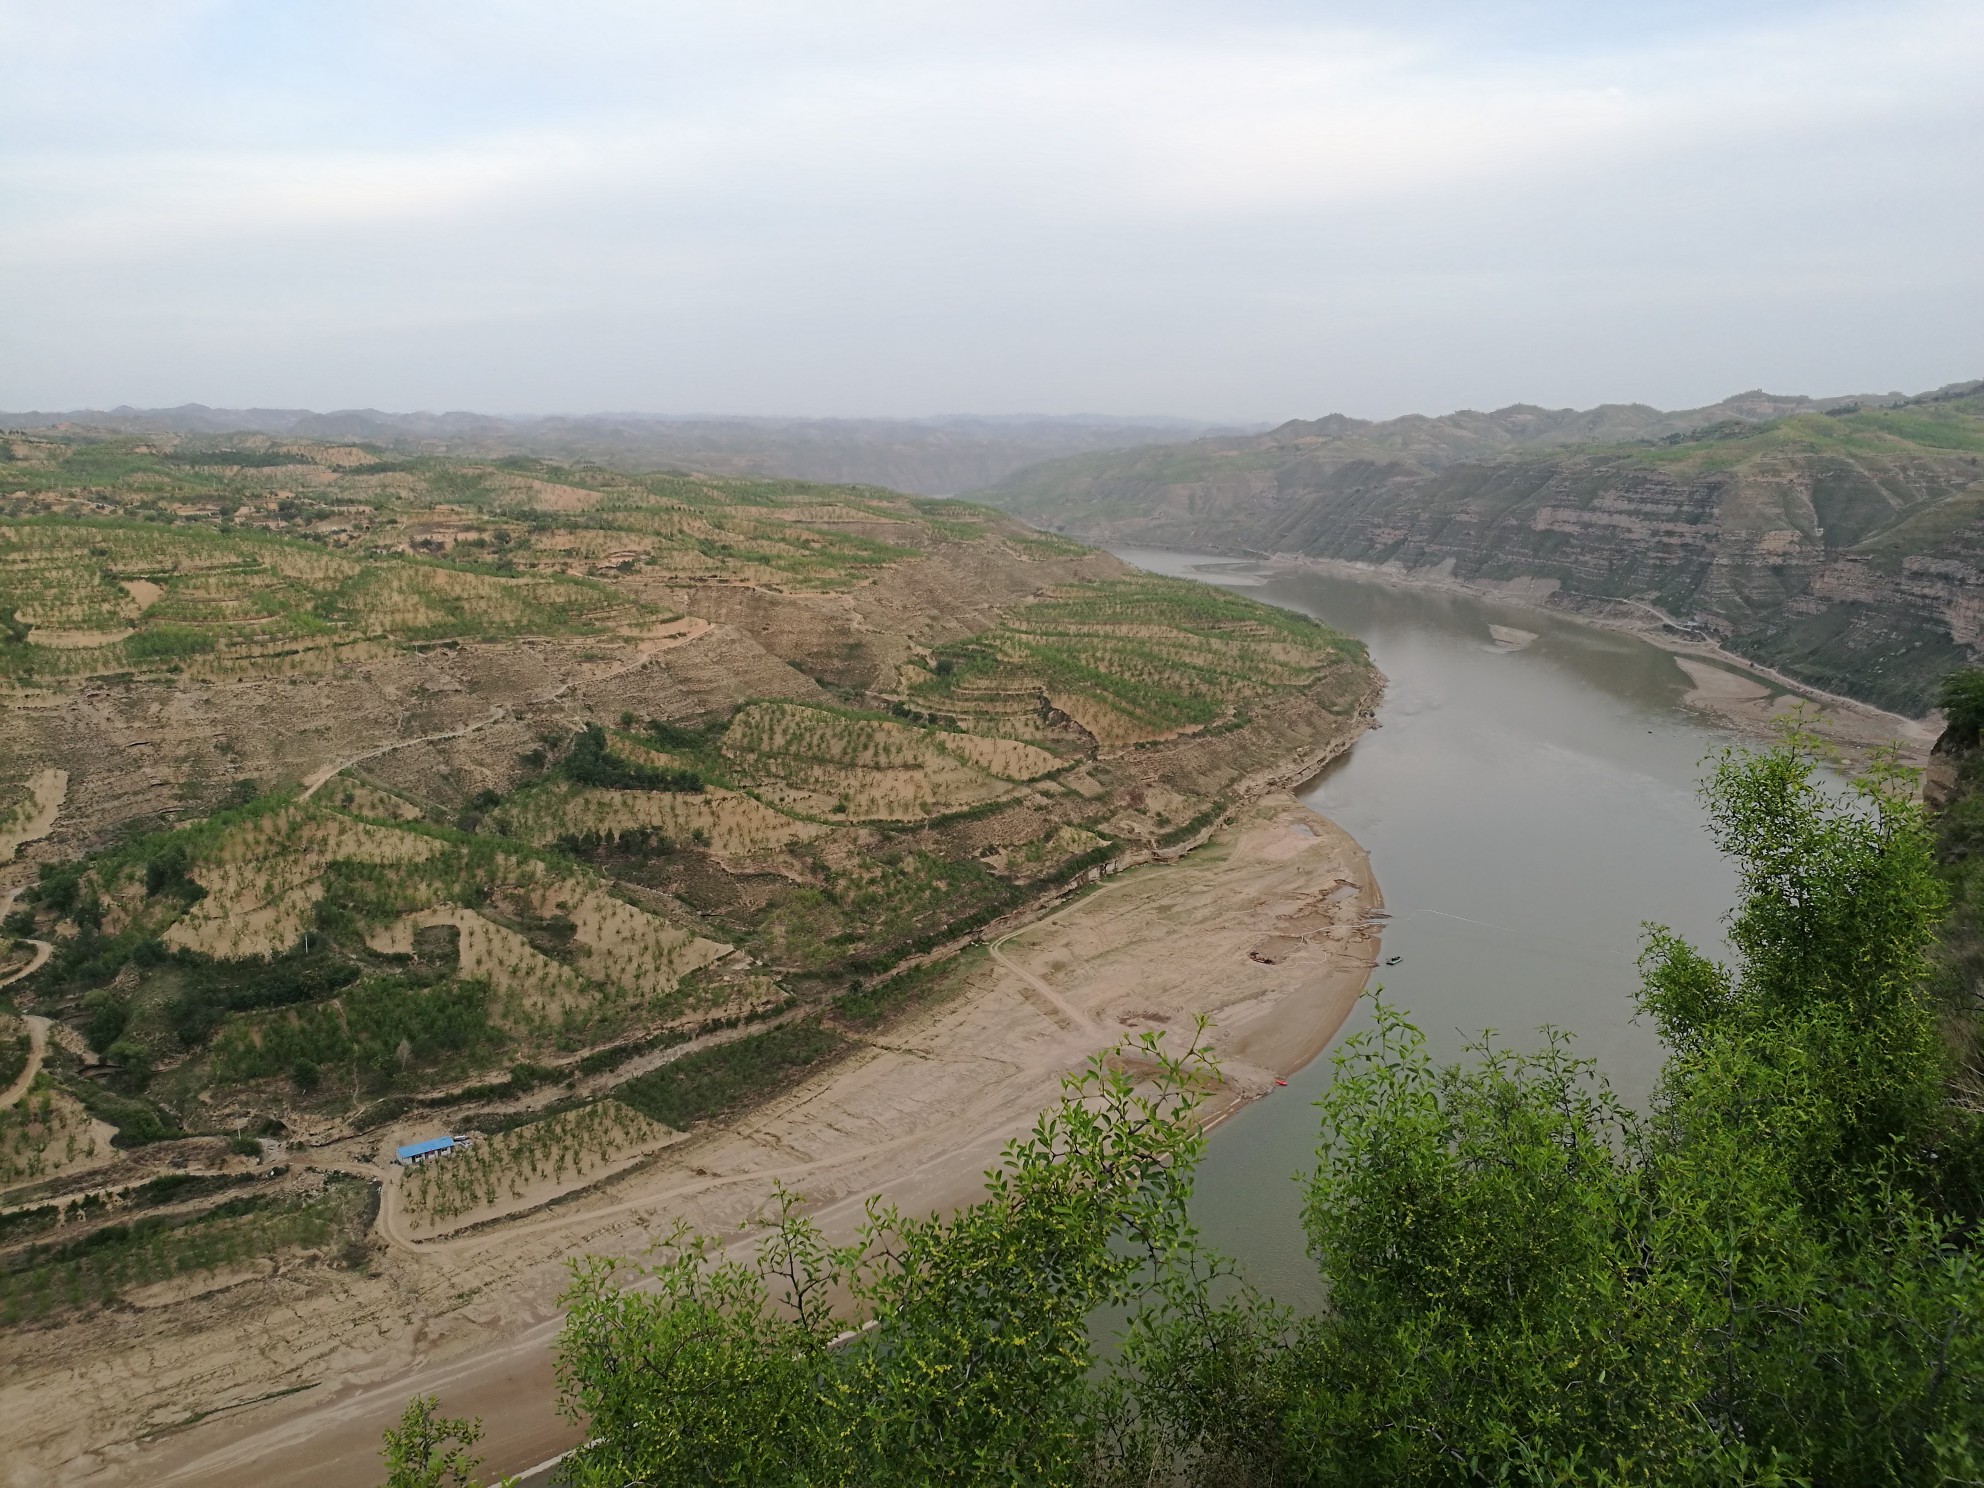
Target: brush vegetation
x,y
1834,539
1768,1276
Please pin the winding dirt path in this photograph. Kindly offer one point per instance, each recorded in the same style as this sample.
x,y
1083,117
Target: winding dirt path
x,y
916,1116
38,1041
646,652
42,951
318,777
1039,993
1057,1007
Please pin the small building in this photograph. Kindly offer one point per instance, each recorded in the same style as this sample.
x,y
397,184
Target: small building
x,y
415,1152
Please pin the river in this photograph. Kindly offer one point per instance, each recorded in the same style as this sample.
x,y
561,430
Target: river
x,y
1525,811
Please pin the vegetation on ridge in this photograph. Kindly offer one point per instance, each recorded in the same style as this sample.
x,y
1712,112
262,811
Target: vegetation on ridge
x,y
1838,541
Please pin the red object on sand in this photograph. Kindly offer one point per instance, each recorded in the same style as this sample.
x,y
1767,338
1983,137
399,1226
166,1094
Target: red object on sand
x,y
1280,1081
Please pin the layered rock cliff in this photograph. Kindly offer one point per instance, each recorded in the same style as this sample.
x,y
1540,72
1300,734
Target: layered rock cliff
x,y
1840,540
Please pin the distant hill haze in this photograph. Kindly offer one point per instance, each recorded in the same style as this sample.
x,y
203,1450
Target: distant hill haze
x,y
929,456
1836,538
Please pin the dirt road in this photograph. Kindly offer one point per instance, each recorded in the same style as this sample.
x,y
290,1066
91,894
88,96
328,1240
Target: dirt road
x,y
1269,930
692,629
37,1027
42,949
38,1046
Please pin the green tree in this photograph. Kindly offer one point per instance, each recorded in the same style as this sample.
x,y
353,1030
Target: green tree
x,y
1755,1281
1770,1276
1962,700
966,1355
432,1451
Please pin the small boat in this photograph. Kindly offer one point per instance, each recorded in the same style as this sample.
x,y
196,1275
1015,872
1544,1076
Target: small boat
x,y
1279,1081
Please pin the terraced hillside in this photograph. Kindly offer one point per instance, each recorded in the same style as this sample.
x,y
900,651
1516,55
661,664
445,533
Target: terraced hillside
x,y
347,799
1842,541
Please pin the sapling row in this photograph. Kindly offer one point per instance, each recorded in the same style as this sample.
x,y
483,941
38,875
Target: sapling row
x,y
41,1134
96,1269
483,1173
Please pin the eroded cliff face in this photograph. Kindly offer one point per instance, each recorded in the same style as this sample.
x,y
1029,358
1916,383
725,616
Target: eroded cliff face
x,y
1845,548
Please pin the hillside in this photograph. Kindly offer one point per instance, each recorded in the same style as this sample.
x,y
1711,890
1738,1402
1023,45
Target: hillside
x,y
933,456
1835,539
350,797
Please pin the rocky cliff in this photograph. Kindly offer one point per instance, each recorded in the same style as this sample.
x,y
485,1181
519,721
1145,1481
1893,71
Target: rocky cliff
x,y
1839,540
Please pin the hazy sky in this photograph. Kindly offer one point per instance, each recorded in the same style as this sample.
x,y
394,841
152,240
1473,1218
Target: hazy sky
x,y
1232,209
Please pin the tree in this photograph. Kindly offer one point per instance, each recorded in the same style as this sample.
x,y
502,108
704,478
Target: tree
x,y
1756,1281
1770,1276
430,1451
967,1352
1962,700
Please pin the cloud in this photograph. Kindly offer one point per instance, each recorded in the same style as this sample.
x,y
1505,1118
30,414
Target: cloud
x,y
1019,204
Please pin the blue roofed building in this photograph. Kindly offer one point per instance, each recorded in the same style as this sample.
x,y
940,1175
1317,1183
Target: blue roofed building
x,y
415,1151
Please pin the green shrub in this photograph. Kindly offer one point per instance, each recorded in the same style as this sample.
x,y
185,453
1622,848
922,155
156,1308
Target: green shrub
x,y
107,1016
590,762
211,988
1962,701
711,1081
366,1025
870,1006
138,1122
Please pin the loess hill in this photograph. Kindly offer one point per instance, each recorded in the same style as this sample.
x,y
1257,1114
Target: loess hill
x,y
1840,540
346,795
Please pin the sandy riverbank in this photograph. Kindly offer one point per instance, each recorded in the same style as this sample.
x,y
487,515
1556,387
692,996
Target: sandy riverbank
x,y
1743,702
1740,693
1271,929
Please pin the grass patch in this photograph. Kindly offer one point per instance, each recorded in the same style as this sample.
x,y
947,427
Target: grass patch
x,y
96,1270
870,1007
384,1026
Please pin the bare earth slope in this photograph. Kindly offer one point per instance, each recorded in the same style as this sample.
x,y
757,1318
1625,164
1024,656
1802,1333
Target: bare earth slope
x,y
1837,539
654,837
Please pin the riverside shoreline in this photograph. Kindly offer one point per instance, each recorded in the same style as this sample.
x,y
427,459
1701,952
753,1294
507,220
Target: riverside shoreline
x,y
1854,727
1267,922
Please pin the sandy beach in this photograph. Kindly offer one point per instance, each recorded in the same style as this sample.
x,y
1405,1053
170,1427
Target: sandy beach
x,y
1742,701
1270,929
1740,693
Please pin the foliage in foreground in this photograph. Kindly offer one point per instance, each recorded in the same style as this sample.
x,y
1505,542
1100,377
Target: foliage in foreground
x,y
1769,1277
427,1450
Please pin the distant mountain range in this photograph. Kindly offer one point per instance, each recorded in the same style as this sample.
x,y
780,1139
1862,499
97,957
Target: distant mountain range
x,y
1841,539
927,456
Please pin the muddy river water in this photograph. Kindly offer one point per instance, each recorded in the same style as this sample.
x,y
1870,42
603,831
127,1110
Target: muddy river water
x,y
1526,807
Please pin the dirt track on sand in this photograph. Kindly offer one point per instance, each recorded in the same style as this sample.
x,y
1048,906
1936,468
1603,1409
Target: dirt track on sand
x,y
1742,701
1269,929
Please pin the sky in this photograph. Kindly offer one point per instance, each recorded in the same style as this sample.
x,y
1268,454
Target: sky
x,y
1235,210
